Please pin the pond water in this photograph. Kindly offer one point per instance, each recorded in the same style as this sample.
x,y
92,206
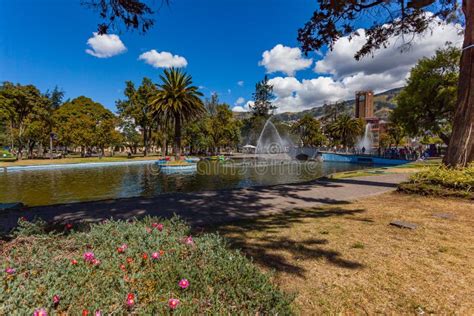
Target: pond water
x,y
89,183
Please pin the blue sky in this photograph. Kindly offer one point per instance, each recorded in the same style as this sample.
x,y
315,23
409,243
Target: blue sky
x,y
44,43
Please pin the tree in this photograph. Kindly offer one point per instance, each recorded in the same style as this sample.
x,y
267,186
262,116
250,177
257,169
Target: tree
x,y
195,136
223,129
309,130
428,101
178,101
345,130
85,123
397,133
134,14
24,107
131,137
263,97
55,99
211,105
391,18
385,141
137,108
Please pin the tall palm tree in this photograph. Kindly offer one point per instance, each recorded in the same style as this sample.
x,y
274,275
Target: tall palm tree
x,y
346,129
177,101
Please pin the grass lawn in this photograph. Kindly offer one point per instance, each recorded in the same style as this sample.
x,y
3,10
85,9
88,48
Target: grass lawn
x,y
407,168
34,162
347,259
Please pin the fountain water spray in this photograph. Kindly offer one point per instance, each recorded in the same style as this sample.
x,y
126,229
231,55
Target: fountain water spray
x,y
271,145
367,140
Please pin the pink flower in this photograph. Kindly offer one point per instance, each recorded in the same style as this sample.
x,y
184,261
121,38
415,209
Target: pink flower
x,y
10,270
95,262
98,312
68,226
40,312
56,299
73,261
130,299
189,240
89,256
158,226
122,248
155,255
183,283
173,303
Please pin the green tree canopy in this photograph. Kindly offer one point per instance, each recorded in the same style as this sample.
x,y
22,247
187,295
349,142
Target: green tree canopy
x,y
345,130
85,123
309,131
137,108
25,110
428,101
223,128
178,101
263,97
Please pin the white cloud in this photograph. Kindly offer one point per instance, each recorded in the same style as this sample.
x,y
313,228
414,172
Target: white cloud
x,y
105,46
284,59
342,75
240,83
340,61
243,108
239,101
163,59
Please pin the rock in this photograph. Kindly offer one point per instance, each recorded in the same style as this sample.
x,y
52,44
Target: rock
x,y
402,224
444,215
10,206
302,157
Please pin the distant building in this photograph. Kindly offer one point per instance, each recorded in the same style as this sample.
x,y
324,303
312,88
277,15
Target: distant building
x,y
364,109
364,104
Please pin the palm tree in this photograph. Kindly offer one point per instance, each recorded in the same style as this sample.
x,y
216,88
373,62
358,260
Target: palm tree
x,y
177,101
346,129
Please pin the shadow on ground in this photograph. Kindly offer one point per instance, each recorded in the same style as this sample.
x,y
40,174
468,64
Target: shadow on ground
x,y
263,247
199,208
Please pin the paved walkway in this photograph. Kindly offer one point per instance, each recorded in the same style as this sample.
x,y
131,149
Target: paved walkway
x,y
209,207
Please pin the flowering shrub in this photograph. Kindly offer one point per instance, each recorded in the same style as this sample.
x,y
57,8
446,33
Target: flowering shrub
x,y
159,270
442,181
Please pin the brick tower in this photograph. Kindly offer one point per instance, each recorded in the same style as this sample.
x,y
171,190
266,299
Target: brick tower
x,y
364,104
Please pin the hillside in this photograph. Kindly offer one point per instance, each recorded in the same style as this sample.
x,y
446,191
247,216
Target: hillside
x,y
383,103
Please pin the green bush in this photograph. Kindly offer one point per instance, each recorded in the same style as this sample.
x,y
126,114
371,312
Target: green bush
x,y
131,267
442,181
6,156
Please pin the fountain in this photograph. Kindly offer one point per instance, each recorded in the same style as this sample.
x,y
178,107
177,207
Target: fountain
x,y
367,140
271,145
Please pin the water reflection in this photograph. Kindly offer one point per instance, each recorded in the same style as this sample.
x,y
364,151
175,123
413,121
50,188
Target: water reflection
x,y
43,187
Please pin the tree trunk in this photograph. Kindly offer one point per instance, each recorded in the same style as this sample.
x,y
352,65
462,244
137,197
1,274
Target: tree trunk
x,y
145,142
50,145
177,136
461,145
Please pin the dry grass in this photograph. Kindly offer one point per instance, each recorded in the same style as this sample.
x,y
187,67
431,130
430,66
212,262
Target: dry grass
x,y
347,259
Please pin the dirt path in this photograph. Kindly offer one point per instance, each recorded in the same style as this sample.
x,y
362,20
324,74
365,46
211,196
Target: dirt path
x,y
210,207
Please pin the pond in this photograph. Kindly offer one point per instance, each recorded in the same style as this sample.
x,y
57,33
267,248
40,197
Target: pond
x,y
88,183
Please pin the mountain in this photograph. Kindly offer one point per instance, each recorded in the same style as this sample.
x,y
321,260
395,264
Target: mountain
x,y
383,103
